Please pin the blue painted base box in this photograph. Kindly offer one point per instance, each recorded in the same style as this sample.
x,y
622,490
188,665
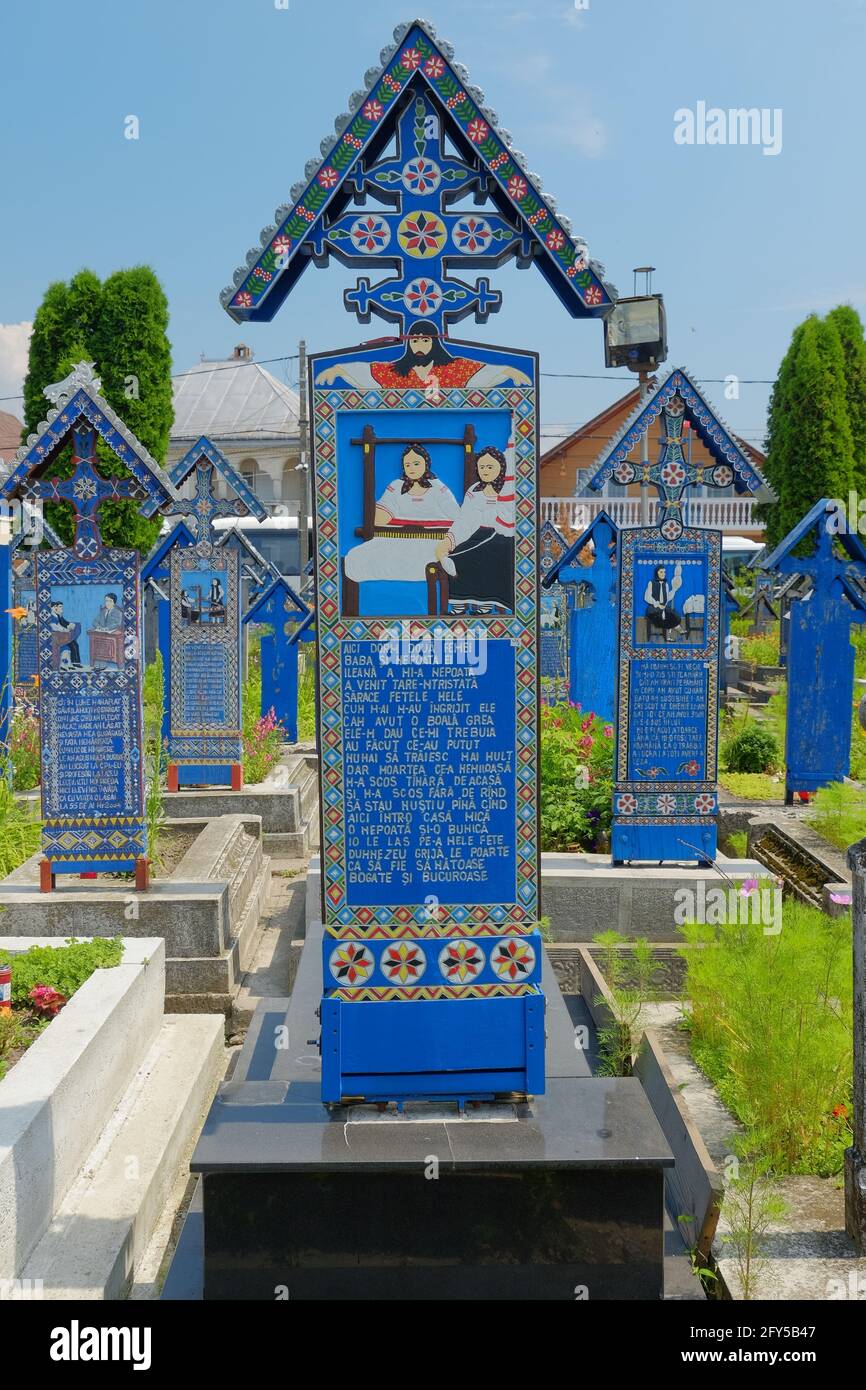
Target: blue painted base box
x,y
696,843
465,1049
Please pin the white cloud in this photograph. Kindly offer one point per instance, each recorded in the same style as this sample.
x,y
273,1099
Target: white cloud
x,y
14,343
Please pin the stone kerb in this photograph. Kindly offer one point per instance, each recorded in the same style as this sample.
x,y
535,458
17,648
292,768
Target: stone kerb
x,y
56,1100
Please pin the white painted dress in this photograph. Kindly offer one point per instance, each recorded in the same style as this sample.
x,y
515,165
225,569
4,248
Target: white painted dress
x,y
403,557
482,553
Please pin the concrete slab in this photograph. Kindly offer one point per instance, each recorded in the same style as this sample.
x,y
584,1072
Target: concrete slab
x,y
93,1243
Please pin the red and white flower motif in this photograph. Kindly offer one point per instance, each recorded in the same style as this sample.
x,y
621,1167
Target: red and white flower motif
x,y
692,767
403,962
723,476
457,100
472,234
513,959
460,961
328,177
705,804
351,963
243,300
301,211
422,297
410,59
516,187
555,240
673,474
281,245
372,110
666,804
624,473
671,529
434,67
478,131
626,804
259,274
421,175
370,234
593,295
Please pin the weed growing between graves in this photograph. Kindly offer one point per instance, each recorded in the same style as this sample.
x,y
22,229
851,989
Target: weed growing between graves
x,y
753,786
576,777
758,649
839,814
43,980
24,752
263,735
632,978
307,702
155,756
20,830
753,749
771,1018
751,1205
738,844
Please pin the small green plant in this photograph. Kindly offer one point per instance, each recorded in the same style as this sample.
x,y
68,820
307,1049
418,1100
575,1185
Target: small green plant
x,y
24,751
307,699
632,980
20,830
576,776
752,749
61,968
752,1204
738,841
17,1030
752,786
839,813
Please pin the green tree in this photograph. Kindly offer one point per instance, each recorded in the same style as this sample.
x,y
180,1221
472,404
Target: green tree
x,y
850,329
810,449
120,325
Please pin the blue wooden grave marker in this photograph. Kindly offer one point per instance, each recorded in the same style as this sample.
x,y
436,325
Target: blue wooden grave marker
x,y
592,616
205,734
730,606
155,575
281,608
426,572
88,603
22,636
820,652
669,651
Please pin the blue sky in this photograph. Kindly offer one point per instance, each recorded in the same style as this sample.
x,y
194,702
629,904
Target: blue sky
x,y
233,97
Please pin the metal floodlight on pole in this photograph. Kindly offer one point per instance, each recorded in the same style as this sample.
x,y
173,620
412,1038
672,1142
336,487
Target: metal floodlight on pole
x,y
635,336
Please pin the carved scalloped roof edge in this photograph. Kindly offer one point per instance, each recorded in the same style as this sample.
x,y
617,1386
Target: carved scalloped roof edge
x,y
83,377
610,448
371,77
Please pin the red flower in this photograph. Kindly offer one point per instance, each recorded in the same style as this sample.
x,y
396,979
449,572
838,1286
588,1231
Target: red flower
x,y
434,67
372,110
328,177
516,187
593,294
555,240
243,300
478,131
840,1112
46,1000
410,59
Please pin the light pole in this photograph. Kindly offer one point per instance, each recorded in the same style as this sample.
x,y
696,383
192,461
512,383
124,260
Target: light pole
x,y
635,336
303,464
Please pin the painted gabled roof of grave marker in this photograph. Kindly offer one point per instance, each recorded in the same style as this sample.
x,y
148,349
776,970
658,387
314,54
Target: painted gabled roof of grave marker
x,y
179,535
235,539
827,507
78,396
271,592
204,448
417,56
583,540
714,434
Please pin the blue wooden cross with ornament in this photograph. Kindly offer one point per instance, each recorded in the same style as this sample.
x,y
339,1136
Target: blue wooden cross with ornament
x,y
675,403
206,461
85,490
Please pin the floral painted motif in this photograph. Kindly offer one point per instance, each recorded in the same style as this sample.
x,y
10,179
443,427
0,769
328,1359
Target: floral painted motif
x,y
666,804
705,804
370,234
593,295
422,234
328,177
421,175
403,962
723,476
410,59
673,474
517,187
460,961
422,297
671,529
372,110
626,804
351,963
434,67
624,473
513,959
472,234
555,240
478,131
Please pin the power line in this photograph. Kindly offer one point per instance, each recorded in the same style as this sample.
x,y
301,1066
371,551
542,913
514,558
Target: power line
x,y
231,366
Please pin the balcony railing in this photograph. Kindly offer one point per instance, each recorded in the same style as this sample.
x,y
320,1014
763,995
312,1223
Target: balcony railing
x,y
733,515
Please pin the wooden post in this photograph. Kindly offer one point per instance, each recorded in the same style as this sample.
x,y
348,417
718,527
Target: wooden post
x,y
142,874
237,777
855,1157
172,782
46,877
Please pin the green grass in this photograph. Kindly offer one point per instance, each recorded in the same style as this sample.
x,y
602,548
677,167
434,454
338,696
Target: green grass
x,y
839,814
752,786
771,1021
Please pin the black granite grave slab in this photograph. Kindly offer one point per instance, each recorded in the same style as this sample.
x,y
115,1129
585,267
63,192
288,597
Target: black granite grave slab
x,y
554,1198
